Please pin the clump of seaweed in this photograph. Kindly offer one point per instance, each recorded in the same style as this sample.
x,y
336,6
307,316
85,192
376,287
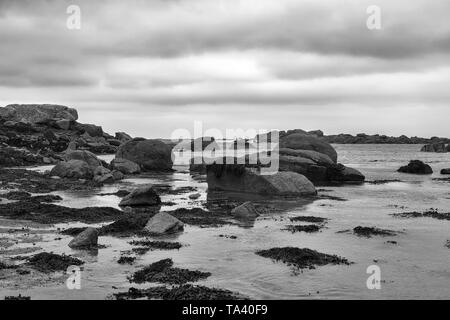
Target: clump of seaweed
x,y
303,228
301,258
431,213
147,245
50,262
183,292
368,232
163,272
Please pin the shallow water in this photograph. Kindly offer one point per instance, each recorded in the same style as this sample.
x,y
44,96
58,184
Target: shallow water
x,y
416,267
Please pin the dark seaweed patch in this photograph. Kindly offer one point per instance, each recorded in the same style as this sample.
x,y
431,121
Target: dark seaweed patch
x,y
301,258
303,228
184,292
368,232
163,272
50,262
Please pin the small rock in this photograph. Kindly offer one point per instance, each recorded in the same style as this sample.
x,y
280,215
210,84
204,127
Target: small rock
x,y
246,210
416,167
125,166
194,196
142,196
163,223
86,239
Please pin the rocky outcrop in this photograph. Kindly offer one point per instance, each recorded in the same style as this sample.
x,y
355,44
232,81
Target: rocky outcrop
x,y
12,157
436,147
416,167
48,129
37,113
239,178
81,164
87,239
245,211
148,154
125,166
163,223
141,196
306,154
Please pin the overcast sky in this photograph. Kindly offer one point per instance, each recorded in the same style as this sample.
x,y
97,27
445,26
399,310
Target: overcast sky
x,y
150,67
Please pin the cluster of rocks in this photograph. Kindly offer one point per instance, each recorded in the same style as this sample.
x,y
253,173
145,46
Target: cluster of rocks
x,y
436,147
47,130
304,161
82,164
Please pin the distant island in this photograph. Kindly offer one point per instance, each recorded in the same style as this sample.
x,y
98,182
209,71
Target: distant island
x,y
363,138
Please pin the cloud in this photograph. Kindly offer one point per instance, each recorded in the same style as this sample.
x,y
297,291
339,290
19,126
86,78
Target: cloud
x,y
215,60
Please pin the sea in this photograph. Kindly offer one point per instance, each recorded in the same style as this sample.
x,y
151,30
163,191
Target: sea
x,y
414,264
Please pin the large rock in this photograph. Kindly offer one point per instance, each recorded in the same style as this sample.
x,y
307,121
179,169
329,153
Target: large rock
x,y
301,141
125,166
238,178
149,154
122,136
141,196
163,223
85,240
416,167
317,167
91,129
245,211
445,171
83,155
342,174
37,113
74,169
